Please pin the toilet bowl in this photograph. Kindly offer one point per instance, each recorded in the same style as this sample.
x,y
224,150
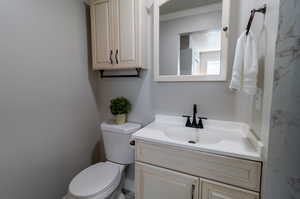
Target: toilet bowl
x,y
105,180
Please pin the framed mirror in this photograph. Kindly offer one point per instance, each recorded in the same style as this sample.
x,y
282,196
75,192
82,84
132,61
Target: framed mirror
x,y
191,40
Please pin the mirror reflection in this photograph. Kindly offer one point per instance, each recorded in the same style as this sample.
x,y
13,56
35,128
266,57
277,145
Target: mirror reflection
x,y
190,38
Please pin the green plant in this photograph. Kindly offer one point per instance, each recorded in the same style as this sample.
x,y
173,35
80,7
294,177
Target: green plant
x,y
120,105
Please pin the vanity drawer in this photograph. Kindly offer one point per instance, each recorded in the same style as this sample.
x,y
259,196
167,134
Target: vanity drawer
x,y
234,171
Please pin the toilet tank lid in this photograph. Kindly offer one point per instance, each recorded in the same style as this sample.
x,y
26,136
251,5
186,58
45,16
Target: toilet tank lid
x,y
126,128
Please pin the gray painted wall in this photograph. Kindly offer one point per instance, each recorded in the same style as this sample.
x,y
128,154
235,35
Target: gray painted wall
x,y
214,99
48,113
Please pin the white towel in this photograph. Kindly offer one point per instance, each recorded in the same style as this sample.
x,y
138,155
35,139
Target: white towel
x,y
245,67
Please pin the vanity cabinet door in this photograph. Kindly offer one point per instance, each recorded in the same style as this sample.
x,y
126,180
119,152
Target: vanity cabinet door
x,y
101,28
213,190
157,183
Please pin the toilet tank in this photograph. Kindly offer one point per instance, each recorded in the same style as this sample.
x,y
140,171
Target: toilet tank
x,y
116,140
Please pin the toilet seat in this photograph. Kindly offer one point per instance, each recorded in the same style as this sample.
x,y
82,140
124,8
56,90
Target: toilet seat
x,y
98,180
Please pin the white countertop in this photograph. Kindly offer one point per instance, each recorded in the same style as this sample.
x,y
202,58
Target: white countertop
x,y
218,137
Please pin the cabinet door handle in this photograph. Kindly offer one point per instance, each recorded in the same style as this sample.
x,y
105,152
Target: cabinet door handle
x,y
132,142
193,191
116,56
225,29
110,57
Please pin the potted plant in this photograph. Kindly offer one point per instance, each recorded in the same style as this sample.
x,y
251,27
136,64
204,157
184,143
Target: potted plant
x,y
120,107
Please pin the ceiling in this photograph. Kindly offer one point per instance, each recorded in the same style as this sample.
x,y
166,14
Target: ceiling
x,y
178,5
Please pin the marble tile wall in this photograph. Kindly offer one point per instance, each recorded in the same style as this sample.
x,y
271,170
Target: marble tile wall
x,y
284,139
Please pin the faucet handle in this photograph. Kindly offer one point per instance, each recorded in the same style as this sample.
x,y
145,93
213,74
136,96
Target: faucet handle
x,y
200,123
188,121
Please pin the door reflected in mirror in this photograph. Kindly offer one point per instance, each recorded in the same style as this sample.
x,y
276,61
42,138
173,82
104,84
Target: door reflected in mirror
x,y
191,40
200,53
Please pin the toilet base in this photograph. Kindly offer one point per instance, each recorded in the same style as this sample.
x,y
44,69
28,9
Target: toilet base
x,y
121,196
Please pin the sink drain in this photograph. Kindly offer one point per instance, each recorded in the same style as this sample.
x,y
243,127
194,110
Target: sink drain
x,y
191,142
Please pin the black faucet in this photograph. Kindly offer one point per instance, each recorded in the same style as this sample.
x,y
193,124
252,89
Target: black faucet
x,y
194,123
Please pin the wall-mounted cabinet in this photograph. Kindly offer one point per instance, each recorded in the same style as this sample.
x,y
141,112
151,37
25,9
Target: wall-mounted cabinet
x,y
118,34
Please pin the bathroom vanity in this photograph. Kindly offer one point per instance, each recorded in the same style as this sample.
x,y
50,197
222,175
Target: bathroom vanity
x,y
221,161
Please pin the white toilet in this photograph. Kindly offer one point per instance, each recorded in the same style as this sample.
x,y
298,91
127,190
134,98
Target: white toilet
x,y
104,180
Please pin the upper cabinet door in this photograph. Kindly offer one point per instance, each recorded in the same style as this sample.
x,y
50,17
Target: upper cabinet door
x,y
101,19
125,16
213,190
157,183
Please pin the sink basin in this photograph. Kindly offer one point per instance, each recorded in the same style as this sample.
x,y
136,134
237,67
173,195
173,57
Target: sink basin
x,y
192,136
219,137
